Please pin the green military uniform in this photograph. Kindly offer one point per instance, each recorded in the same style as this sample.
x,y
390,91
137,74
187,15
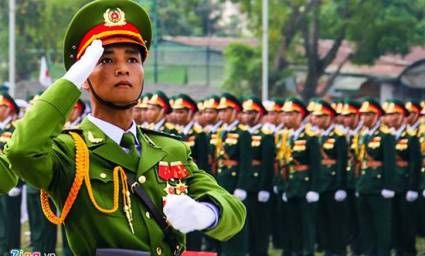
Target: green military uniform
x,y
406,182
142,105
257,180
332,184
421,203
233,158
161,100
352,136
302,162
377,156
10,206
197,140
45,158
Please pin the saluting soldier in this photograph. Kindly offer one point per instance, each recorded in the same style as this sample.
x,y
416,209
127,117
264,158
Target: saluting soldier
x,y
190,132
353,126
158,107
333,179
406,179
105,47
302,161
256,181
233,158
10,203
375,184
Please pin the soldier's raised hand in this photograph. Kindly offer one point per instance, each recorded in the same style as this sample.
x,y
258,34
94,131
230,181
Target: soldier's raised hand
x,y
80,71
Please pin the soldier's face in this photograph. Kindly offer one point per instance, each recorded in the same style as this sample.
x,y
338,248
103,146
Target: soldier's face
x,y
250,117
394,120
412,118
351,120
154,114
4,112
292,119
272,117
138,115
321,121
210,115
183,116
227,115
369,119
118,76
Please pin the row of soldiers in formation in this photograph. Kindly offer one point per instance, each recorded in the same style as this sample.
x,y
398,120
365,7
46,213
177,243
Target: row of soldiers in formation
x,y
318,176
314,176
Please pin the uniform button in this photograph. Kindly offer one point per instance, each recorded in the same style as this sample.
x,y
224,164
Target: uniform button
x,y
158,250
255,174
142,179
233,174
333,173
219,171
148,215
306,179
291,176
103,175
423,169
378,176
363,172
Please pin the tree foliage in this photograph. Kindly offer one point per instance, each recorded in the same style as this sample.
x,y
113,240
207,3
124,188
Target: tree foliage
x,y
375,27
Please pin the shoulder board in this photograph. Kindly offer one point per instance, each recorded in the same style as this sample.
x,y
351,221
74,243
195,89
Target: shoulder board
x,y
243,127
147,131
385,129
267,130
169,126
339,132
197,128
311,133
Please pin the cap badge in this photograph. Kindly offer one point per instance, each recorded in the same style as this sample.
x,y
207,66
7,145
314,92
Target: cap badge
x,y
114,17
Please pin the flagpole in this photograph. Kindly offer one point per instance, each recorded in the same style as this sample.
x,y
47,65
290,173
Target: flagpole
x,y
12,61
265,51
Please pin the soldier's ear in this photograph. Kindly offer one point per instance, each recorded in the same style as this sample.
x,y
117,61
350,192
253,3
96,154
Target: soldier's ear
x,y
86,86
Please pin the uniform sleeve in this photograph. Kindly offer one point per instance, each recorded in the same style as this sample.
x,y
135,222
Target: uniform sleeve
x,y
341,162
414,163
203,187
389,155
267,162
31,149
314,161
245,156
8,179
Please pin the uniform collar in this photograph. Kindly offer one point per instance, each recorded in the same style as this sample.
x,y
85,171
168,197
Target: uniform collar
x,y
414,126
255,128
5,122
371,131
231,126
298,131
112,131
400,130
187,128
328,131
158,125
216,126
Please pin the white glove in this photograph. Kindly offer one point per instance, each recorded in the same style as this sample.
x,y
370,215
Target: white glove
x,y
240,193
275,190
14,192
80,71
386,193
284,198
340,195
312,196
186,214
411,196
263,196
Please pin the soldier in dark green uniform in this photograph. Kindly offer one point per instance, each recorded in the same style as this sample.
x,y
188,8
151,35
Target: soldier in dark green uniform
x,y
353,127
139,111
10,203
375,184
105,47
406,179
190,132
158,108
333,180
213,125
256,181
233,158
302,161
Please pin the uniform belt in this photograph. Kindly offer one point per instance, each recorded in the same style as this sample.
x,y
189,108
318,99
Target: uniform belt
x,y
299,168
229,163
328,162
373,164
402,163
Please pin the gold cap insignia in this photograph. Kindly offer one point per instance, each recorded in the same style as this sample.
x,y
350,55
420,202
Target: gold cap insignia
x,y
114,17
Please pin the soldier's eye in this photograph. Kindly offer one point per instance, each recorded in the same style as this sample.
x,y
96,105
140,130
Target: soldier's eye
x,y
133,60
105,60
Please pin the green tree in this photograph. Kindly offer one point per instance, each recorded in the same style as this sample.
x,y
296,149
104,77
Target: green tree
x,y
375,27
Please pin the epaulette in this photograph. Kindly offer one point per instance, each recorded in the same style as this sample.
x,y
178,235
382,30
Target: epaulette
x,y
147,131
385,129
339,132
310,132
169,125
266,129
197,128
243,127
